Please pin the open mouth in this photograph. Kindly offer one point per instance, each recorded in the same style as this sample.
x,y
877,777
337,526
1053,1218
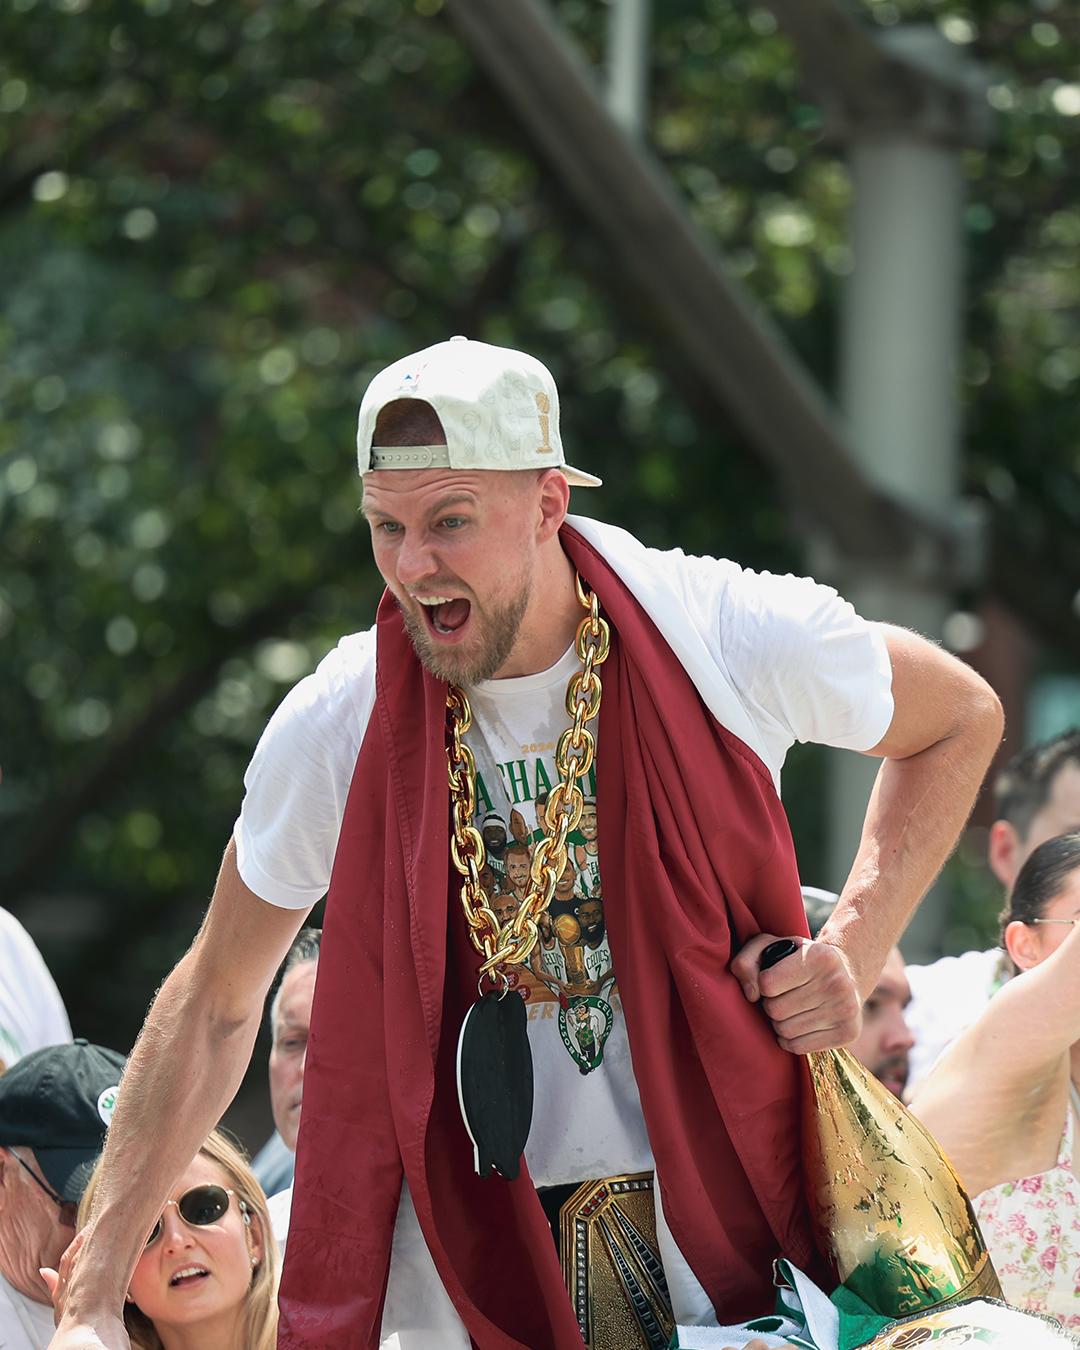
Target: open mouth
x,y
894,1077
190,1275
445,615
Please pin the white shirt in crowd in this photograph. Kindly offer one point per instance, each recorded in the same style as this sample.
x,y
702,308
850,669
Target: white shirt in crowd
x,y
24,1324
32,1013
946,997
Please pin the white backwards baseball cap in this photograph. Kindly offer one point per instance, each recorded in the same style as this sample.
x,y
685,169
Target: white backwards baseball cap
x,y
499,409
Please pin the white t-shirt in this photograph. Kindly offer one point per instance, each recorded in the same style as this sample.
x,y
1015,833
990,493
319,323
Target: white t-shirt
x,y
24,1324
776,659
587,1119
946,997
279,1207
32,1013
417,1312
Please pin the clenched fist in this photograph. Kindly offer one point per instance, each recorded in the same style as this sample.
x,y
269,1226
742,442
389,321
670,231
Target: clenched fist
x,y
810,997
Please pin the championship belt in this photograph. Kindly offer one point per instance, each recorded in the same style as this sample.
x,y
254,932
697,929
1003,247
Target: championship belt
x,y
611,1264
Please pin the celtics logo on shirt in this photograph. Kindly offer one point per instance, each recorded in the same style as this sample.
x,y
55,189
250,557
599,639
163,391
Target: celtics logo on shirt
x,y
585,1024
570,966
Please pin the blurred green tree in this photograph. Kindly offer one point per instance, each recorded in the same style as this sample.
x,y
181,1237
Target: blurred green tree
x,y
217,221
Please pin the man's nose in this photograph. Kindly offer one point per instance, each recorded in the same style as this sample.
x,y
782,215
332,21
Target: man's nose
x,y
898,1035
415,561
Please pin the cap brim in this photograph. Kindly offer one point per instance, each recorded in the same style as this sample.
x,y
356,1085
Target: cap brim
x,y
67,1170
579,478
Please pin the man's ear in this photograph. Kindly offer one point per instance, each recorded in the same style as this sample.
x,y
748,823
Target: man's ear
x,y
1003,853
1021,945
553,504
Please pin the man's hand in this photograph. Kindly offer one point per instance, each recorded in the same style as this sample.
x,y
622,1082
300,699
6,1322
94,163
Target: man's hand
x,y
57,1281
79,1333
810,997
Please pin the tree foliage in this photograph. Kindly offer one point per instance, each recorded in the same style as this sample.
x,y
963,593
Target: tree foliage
x,y
216,222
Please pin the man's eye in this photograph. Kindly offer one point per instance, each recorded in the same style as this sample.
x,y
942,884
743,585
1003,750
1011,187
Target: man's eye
x,y
388,526
452,522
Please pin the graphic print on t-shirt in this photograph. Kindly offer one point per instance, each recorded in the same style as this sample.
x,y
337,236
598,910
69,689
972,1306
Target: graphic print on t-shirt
x,y
571,964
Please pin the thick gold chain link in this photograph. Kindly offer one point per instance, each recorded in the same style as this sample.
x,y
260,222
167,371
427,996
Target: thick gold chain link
x,y
506,945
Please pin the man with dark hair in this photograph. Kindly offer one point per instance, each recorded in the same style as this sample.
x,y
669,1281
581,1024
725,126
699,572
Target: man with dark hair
x,y
493,833
885,1041
1036,798
501,613
505,906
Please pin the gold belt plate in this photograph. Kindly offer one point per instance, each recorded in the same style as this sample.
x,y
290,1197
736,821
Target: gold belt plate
x,y
611,1264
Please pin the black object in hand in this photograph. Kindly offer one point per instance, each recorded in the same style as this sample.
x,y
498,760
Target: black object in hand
x,y
776,952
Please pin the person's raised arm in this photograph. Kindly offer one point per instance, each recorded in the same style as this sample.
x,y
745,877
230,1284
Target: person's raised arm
x,y
183,1072
998,1094
946,725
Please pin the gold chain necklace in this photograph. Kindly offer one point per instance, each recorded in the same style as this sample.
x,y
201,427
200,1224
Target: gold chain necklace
x,y
505,946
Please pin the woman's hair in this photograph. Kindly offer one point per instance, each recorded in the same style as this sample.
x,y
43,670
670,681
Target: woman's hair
x,y
261,1314
1041,879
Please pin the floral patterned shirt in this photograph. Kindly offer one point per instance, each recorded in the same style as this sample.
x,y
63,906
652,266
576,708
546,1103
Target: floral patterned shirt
x,y
1032,1230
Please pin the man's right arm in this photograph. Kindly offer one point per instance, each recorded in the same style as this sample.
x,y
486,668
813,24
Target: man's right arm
x,y
185,1069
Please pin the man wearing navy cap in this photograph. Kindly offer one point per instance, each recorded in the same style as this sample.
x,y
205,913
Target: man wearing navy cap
x,y
55,1106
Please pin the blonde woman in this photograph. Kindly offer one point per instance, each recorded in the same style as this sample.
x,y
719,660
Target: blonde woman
x,y
1003,1101
207,1277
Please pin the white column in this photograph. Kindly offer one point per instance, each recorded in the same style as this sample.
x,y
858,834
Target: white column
x,y
628,63
899,373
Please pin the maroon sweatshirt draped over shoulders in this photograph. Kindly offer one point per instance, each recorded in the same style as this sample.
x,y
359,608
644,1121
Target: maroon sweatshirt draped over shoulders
x,y
697,857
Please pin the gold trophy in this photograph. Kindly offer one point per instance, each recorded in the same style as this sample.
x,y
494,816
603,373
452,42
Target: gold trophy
x,y
890,1212
886,1206
568,931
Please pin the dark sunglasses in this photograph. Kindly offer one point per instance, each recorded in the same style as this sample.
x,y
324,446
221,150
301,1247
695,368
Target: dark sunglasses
x,y
200,1206
68,1208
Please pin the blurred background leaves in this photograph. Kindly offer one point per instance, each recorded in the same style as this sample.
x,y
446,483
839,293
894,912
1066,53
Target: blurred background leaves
x,y
216,222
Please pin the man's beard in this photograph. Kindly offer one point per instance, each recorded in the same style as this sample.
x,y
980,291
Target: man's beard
x,y
896,1066
498,631
593,934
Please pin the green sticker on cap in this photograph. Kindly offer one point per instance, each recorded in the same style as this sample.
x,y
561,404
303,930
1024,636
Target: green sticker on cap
x,y
106,1103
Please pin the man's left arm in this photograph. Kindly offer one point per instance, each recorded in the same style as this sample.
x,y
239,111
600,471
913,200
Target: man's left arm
x,y
946,724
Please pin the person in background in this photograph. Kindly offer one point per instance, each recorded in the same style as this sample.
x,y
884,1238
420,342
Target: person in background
x,y
1003,1102
55,1106
290,1021
32,1013
884,1044
207,1277
1036,797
